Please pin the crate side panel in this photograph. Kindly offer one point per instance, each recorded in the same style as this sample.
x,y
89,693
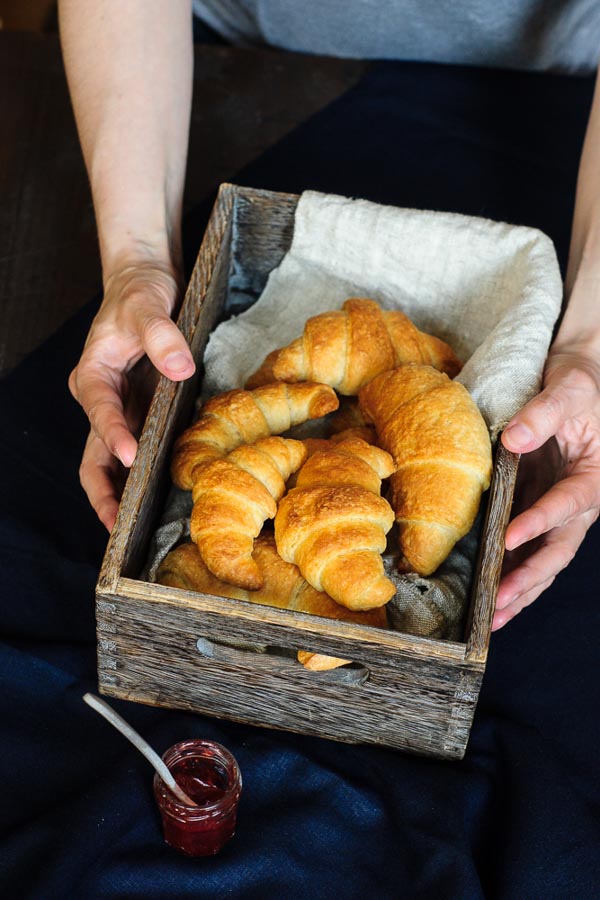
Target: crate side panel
x,y
263,226
491,554
148,652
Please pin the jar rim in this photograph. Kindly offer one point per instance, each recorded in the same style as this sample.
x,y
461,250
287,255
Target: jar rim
x,y
234,775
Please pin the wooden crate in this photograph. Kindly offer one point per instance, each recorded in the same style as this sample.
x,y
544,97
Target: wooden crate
x,y
169,647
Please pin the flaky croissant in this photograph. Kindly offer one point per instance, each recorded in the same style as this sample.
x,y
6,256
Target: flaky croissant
x,y
366,433
348,347
283,587
233,497
442,455
332,525
242,417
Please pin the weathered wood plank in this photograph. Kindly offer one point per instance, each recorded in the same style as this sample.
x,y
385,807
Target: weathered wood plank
x,y
149,653
262,234
491,554
255,615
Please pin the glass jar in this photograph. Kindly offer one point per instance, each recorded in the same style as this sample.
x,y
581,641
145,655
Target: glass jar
x,y
210,776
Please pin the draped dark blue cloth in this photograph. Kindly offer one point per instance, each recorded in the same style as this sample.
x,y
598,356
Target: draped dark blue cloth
x,y
518,817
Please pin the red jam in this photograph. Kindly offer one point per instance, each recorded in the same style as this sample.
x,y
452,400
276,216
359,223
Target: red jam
x,y
210,776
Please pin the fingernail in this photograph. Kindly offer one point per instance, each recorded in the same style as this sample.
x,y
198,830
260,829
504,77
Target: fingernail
x,y
519,435
123,462
512,543
515,543
126,459
177,363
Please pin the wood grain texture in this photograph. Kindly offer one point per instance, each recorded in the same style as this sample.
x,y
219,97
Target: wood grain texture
x,y
148,652
297,623
262,234
491,554
418,694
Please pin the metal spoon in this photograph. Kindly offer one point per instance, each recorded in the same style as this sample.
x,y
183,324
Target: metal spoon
x,y
138,741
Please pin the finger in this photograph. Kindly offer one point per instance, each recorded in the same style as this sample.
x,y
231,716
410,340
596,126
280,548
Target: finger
x,y
533,425
98,393
73,384
97,474
555,554
164,344
567,499
540,419
504,615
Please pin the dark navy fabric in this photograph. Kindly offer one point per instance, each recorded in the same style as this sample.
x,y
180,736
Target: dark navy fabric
x,y
518,817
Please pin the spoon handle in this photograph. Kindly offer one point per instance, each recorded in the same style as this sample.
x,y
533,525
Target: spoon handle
x,y
138,741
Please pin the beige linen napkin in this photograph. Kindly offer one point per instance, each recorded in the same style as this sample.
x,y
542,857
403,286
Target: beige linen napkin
x,y
493,291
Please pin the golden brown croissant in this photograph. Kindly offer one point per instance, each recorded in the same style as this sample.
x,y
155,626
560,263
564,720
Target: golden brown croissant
x,y
364,432
348,347
332,525
242,417
283,586
233,497
313,444
442,453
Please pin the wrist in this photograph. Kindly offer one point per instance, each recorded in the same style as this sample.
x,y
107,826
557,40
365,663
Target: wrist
x,y
125,249
137,283
580,325
574,343
137,219
584,256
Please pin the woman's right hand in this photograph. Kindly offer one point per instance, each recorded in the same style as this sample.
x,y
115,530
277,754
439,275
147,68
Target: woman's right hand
x,y
134,321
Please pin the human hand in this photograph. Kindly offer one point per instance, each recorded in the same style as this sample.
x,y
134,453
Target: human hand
x,y
559,434
111,384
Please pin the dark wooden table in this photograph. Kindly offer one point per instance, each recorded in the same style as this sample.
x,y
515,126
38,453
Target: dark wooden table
x,y
244,101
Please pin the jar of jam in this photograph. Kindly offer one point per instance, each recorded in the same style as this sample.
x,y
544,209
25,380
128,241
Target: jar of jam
x,y
210,776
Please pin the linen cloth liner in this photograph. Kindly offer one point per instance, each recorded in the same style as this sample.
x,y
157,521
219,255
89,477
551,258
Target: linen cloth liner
x,y
492,290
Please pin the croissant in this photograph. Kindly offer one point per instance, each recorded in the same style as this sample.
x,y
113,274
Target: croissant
x,y
233,497
365,432
242,417
346,348
283,586
313,444
442,454
332,525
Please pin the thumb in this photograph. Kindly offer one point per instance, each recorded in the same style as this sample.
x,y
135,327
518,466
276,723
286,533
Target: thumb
x,y
539,419
164,344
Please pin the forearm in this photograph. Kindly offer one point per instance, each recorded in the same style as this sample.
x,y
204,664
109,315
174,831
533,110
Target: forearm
x,y
581,320
129,67
558,431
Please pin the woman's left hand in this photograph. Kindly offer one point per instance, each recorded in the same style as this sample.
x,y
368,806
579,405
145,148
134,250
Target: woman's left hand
x,y
558,433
